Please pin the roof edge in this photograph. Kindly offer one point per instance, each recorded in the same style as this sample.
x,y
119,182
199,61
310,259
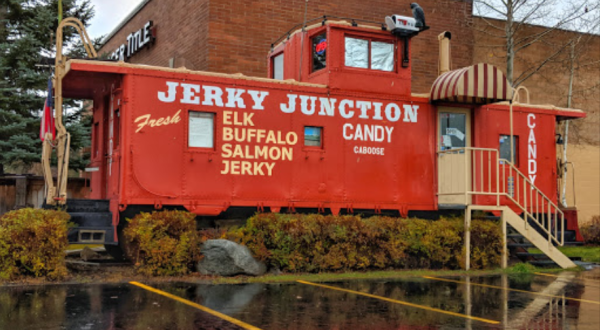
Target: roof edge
x,y
124,22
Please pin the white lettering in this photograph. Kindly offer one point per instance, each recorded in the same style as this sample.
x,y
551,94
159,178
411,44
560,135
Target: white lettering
x,y
346,136
234,97
410,113
364,106
213,96
327,106
388,112
188,94
304,104
169,96
291,106
258,98
343,112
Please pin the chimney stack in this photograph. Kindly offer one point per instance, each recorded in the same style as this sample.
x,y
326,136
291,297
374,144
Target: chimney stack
x,y
444,60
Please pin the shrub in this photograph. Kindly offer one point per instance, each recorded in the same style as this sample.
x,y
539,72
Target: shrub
x,y
591,231
325,243
33,242
164,242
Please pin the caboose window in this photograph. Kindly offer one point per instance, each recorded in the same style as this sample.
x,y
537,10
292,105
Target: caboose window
x,y
453,130
505,148
201,129
312,136
369,54
319,52
278,67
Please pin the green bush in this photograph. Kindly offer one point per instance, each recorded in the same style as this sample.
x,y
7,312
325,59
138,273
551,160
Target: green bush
x,y
164,242
591,231
33,243
313,243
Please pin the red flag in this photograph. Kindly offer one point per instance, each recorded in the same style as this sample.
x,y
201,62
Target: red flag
x,y
47,124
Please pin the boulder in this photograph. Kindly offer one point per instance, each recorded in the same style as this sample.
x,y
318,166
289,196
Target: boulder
x,y
88,254
227,258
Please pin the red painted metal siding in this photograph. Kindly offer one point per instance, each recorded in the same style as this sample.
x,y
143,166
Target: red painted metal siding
x,y
159,167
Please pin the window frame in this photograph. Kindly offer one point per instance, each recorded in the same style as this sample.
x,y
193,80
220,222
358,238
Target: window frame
x,y
275,55
317,33
321,147
516,145
370,40
214,138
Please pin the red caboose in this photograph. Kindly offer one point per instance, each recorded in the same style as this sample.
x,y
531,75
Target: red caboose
x,y
335,129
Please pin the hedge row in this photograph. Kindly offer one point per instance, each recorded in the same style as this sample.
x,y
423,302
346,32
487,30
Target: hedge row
x,y
313,243
591,231
163,243
33,242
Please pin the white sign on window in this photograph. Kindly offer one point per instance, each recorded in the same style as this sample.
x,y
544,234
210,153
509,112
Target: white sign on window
x,y
357,53
382,56
201,130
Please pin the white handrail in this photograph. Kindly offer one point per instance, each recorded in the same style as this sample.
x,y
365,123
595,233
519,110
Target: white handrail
x,y
534,204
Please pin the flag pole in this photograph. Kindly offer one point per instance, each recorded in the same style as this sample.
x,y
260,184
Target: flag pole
x,y
60,11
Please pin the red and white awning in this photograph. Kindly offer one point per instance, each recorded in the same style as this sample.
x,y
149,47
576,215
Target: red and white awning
x,y
480,83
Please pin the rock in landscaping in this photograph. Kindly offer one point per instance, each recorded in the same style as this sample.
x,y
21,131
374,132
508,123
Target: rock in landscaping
x,y
226,258
88,254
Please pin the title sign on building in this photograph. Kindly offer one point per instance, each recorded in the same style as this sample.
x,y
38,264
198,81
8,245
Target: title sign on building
x,y
137,40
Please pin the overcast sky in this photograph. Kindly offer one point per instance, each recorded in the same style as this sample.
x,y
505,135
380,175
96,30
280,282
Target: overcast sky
x,y
109,13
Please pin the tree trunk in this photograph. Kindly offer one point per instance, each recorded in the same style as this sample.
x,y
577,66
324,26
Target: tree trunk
x,y
510,47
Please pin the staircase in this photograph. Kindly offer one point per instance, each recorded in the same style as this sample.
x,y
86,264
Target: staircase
x,y
496,185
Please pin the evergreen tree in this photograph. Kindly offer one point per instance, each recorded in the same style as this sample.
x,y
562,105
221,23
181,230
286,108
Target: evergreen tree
x,y
27,30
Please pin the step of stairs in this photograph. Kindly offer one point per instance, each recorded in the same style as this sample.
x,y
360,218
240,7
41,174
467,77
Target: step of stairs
x,y
529,234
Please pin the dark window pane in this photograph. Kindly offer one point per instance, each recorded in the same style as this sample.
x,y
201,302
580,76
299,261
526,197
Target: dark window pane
x,y
505,147
319,52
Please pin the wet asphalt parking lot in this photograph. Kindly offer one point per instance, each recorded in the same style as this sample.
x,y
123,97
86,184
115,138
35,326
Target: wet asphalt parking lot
x,y
536,301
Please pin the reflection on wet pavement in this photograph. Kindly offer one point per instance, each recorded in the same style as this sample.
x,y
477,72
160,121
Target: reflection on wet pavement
x,y
301,306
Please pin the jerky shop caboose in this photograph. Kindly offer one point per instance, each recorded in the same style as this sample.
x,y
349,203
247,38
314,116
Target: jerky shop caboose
x,y
338,131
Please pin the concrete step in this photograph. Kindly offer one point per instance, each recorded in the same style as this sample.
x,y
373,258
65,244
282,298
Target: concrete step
x,y
87,205
533,236
91,219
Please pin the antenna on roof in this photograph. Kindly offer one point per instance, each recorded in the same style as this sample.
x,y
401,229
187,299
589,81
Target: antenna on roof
x,y
302,42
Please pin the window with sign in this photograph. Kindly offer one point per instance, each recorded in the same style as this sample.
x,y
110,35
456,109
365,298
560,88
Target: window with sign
x,y
201,129
453,130
369,54
313,136
319,52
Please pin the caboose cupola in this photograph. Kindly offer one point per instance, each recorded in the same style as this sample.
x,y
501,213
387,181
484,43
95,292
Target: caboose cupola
x,y
345,56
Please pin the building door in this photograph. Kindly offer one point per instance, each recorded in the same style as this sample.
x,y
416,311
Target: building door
x,y
454,161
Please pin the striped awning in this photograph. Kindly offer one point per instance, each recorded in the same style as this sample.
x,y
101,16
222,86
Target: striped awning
x,y
480,83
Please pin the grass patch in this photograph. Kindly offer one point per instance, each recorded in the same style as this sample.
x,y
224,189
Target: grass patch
x,y
375,275
587,253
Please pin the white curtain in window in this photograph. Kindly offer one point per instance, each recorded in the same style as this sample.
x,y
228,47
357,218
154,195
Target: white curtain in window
x,y
382,56
357,53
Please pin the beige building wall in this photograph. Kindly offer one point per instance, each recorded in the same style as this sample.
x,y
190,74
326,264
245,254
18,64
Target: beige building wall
x,y
586,159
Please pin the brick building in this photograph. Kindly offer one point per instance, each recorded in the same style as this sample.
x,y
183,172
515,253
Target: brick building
x,y
232,36
235,35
